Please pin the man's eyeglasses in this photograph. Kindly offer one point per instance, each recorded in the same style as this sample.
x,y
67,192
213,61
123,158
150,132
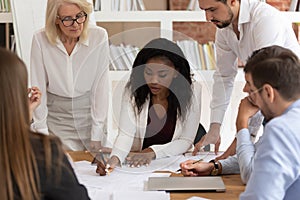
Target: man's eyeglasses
x,y
69,21
251,95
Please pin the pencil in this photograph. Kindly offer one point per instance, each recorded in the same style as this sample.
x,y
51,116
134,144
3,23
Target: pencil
x,y
107,166
102,157
179,170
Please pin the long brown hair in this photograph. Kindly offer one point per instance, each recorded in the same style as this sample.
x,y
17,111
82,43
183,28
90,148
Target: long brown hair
x,y
18,168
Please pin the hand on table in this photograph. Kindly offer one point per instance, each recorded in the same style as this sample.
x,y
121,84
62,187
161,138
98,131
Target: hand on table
x,y
111,163
211,137
140,158
231,150
190,168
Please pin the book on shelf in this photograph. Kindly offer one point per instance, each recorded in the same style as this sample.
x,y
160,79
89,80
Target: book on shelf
x,y
97,5
116,59
188,49
193,5
13,43
212,55
202,58
4,6
199,56
209,54
122,56
122,5
196,56
2,9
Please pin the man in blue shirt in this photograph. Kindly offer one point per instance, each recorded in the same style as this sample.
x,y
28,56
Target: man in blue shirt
x,y
274,82
271,166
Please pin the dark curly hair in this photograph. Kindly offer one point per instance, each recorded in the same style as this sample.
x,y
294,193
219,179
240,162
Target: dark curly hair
x,y
180,88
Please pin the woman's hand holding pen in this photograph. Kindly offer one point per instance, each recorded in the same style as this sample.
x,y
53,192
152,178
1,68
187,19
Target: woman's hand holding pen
x,y
105,168
194,168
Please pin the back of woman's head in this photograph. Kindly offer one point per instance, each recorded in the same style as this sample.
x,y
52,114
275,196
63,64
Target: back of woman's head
x,y
13,96
15,154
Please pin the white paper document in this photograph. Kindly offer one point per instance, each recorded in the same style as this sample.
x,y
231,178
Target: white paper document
x,y
206,156
131,183
120,184
197,198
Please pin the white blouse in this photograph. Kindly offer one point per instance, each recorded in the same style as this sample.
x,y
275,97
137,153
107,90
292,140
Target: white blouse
x,y
132,128
85,70
260,25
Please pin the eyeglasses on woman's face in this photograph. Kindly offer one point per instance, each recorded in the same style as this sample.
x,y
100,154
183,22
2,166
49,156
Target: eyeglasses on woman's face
x,y
69,21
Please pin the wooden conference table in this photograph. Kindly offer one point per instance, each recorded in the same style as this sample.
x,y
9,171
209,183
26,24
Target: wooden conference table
x,y
234,185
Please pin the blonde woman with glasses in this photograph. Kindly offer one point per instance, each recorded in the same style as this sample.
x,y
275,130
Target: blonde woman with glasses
x,y
69,63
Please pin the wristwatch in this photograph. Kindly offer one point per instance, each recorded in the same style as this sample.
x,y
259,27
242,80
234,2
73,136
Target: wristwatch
x,y
215,170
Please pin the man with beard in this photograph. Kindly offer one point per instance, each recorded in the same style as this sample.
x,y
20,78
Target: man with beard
x,y
275,90
243,27
272,164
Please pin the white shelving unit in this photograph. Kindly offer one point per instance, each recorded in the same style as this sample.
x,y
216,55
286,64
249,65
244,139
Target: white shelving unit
x,y
166,19
5,17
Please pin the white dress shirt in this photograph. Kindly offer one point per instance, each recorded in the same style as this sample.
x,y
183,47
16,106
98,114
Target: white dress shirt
x,y
70,76
260,25
132,128
276,161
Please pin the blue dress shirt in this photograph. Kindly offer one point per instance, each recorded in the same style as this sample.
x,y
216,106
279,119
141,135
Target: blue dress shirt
x,y
276,161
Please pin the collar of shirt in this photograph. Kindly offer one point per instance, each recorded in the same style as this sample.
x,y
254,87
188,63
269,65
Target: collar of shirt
x,y
296,104
85,42
60,45
244,13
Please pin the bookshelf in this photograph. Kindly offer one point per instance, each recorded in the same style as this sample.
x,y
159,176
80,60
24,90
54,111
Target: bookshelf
x,y
165,20
205,77
5,17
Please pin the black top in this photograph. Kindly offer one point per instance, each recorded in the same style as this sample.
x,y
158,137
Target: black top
x,y
159,131
62,182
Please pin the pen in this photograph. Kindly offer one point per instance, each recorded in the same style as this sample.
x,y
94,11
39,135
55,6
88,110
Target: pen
x,y
179,170
102,157
107,166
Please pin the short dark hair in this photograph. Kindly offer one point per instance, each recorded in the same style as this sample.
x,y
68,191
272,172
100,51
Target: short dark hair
x,y
223,1
278,67
180,88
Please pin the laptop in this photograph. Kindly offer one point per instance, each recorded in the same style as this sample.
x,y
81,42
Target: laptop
x,y
200,183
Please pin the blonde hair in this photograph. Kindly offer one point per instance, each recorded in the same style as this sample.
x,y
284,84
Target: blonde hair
x,y
52,29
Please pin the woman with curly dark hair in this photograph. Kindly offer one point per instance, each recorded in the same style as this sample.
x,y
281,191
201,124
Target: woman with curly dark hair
x,y
160,111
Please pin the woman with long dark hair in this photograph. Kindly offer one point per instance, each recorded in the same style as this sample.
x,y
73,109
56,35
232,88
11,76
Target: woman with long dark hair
x,y
160,111
32,165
